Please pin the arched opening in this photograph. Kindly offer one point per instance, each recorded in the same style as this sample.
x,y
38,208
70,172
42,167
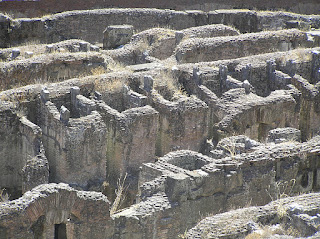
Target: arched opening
x,y
60,231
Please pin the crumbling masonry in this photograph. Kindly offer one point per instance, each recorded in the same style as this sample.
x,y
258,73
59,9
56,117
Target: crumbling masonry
x,y
200,113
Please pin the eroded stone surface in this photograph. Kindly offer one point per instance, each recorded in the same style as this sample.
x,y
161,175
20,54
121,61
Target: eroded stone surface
x,y
197,113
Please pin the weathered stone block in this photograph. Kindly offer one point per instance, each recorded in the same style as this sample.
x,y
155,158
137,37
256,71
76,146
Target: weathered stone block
x,y
147,83
117,35
15,53
28,54
94,48
177,187
178,36
74,91
84,46
284,134
45,95
64,115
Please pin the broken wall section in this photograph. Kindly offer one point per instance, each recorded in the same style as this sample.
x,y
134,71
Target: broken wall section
x,y
212,49
52,67
86,24
23,163
174,191
48,207
75,147
131,139
183,123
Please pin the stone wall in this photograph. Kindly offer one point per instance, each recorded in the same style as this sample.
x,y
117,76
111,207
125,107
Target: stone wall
x,y
213,49
130,139
89,25
194,183
183,123
75,147
35,9
300,220
21,146
38,214
52,67
268,80
173,192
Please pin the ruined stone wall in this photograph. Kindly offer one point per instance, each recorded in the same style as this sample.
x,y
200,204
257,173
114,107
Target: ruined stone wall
x,y
259,116
75,147
301,216
206,185
54,67
270,79
10,147
71,25
38,212
68,25
36,169
183,123
123,124
34,9
131,138
213,49
21,146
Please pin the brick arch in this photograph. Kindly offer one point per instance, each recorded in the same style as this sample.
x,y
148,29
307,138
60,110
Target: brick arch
x,y
50,204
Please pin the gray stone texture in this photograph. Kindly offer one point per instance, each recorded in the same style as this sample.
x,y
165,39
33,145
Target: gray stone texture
x,y
212,49
280,135
48,68
234,123
117,35
38,211
75,149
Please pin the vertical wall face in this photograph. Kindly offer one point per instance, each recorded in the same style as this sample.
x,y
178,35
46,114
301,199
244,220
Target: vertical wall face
x,y
53,210
75,147
53,135
20,148
143,127
183,124
4,33
131,139
10,153
35,170
206,185
85,149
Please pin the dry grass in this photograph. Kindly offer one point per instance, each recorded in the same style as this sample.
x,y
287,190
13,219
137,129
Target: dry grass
x,y
111,85
9,15
4,197
117,66
98,71
230,146
267,231
120,195
184,235
165,80
281,191
298,55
